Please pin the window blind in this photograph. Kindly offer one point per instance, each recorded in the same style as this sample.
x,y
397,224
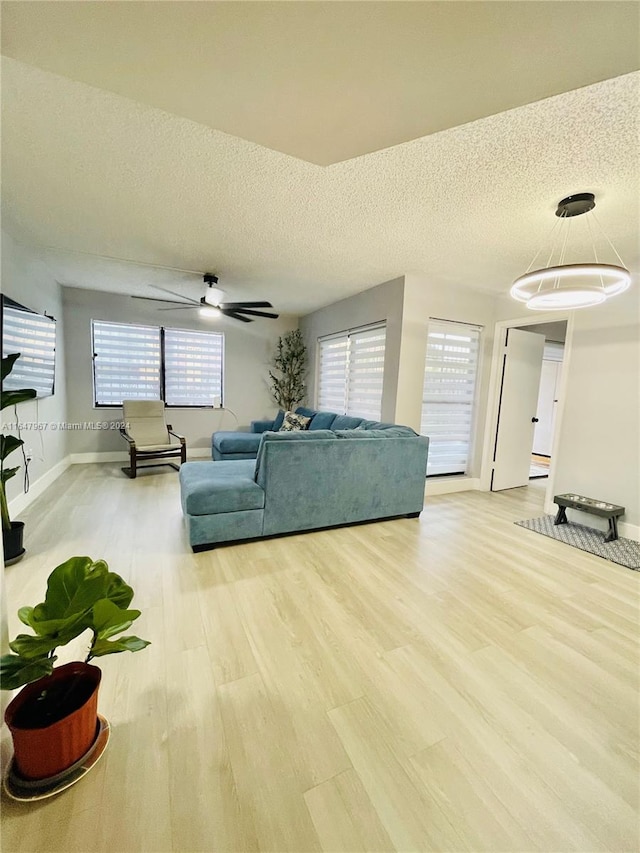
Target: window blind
x,y
351,372
34,337
126,363
366,371
448,398
332,374
193,367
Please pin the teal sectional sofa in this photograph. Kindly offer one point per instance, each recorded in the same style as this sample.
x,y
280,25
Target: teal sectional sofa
x,y
305,480
244,445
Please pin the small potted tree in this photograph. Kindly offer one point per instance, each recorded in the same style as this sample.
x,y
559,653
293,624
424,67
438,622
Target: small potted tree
x,y
290,363
54,719
12,531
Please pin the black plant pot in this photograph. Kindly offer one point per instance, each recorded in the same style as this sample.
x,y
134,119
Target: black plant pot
x,y
12,543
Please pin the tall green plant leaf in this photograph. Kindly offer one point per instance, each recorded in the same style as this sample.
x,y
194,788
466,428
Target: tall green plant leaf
x,y
12,398
16,671
8,473
7,363
9,443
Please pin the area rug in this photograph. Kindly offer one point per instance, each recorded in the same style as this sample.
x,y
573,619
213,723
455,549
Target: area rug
x,y
625,552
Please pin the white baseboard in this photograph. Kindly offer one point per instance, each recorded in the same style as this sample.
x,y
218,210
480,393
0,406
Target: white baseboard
x,y
448,485
629,531
21,502
103,456
199,453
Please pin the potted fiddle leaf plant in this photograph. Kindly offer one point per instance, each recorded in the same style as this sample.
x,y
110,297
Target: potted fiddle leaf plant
x,y
12,531
54,719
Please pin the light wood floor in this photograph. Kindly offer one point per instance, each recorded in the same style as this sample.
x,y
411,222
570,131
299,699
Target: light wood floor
x,y
449,683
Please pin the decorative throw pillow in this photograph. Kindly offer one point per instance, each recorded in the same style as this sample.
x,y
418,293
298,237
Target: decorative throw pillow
x,y
293,422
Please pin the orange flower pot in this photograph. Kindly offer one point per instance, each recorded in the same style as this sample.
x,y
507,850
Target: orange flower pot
x,y
53,720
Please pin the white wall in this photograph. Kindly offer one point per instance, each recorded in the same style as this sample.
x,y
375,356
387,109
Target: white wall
x,y
27,281
248,351
380,303
599,448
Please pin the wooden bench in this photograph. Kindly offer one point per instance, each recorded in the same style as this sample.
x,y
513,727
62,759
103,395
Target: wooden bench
x,y
595,507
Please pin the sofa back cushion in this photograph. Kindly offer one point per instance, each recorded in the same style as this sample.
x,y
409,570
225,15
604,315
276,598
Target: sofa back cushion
x,y
322,420
278,420
389,432
377,425
346,422
308,413
293,435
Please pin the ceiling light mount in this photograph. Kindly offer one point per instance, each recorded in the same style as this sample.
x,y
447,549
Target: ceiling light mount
x,y
576,205
561,286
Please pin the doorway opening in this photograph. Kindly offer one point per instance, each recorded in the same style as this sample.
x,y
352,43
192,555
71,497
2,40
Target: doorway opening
x,y
548,395
526,397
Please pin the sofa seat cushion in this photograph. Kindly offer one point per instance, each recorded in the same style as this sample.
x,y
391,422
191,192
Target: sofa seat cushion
x,y
209,488
237,442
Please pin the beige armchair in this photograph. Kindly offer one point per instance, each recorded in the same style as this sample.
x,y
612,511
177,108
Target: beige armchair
x,y
149,435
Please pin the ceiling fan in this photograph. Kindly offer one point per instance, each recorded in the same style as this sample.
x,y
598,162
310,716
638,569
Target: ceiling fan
x,y
211,304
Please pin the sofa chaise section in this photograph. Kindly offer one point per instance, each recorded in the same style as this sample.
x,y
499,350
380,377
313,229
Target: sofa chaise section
x,y
221,501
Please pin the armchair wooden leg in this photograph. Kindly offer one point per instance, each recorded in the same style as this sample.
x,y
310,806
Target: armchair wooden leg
x,y
132,463
183,454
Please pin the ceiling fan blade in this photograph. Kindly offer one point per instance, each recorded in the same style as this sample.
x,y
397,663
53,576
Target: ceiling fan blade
x,y
235,315
157,299
235,305
179,308
179,295
256,313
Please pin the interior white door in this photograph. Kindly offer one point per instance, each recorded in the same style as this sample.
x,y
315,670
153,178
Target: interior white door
x,y
521,369
546,408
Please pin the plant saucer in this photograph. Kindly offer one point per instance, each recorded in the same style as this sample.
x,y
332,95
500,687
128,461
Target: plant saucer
x,y
28,790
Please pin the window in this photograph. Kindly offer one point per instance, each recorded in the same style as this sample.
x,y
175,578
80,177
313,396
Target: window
x,y
448,398
351,371
193,367
34,337
180,366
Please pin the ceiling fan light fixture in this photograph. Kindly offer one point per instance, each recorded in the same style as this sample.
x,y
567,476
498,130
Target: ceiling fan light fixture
x,y
564,286
209,312
213,296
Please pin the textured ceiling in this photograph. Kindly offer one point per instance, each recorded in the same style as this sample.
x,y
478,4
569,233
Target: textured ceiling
x,y
91,171
327,81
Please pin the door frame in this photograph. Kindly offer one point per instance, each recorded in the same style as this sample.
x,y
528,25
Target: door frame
x,y
493,398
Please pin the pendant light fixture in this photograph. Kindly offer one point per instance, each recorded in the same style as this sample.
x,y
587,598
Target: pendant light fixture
x,y
560,286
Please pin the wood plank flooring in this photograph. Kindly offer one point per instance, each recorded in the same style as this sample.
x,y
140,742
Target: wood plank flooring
x,y
453,683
